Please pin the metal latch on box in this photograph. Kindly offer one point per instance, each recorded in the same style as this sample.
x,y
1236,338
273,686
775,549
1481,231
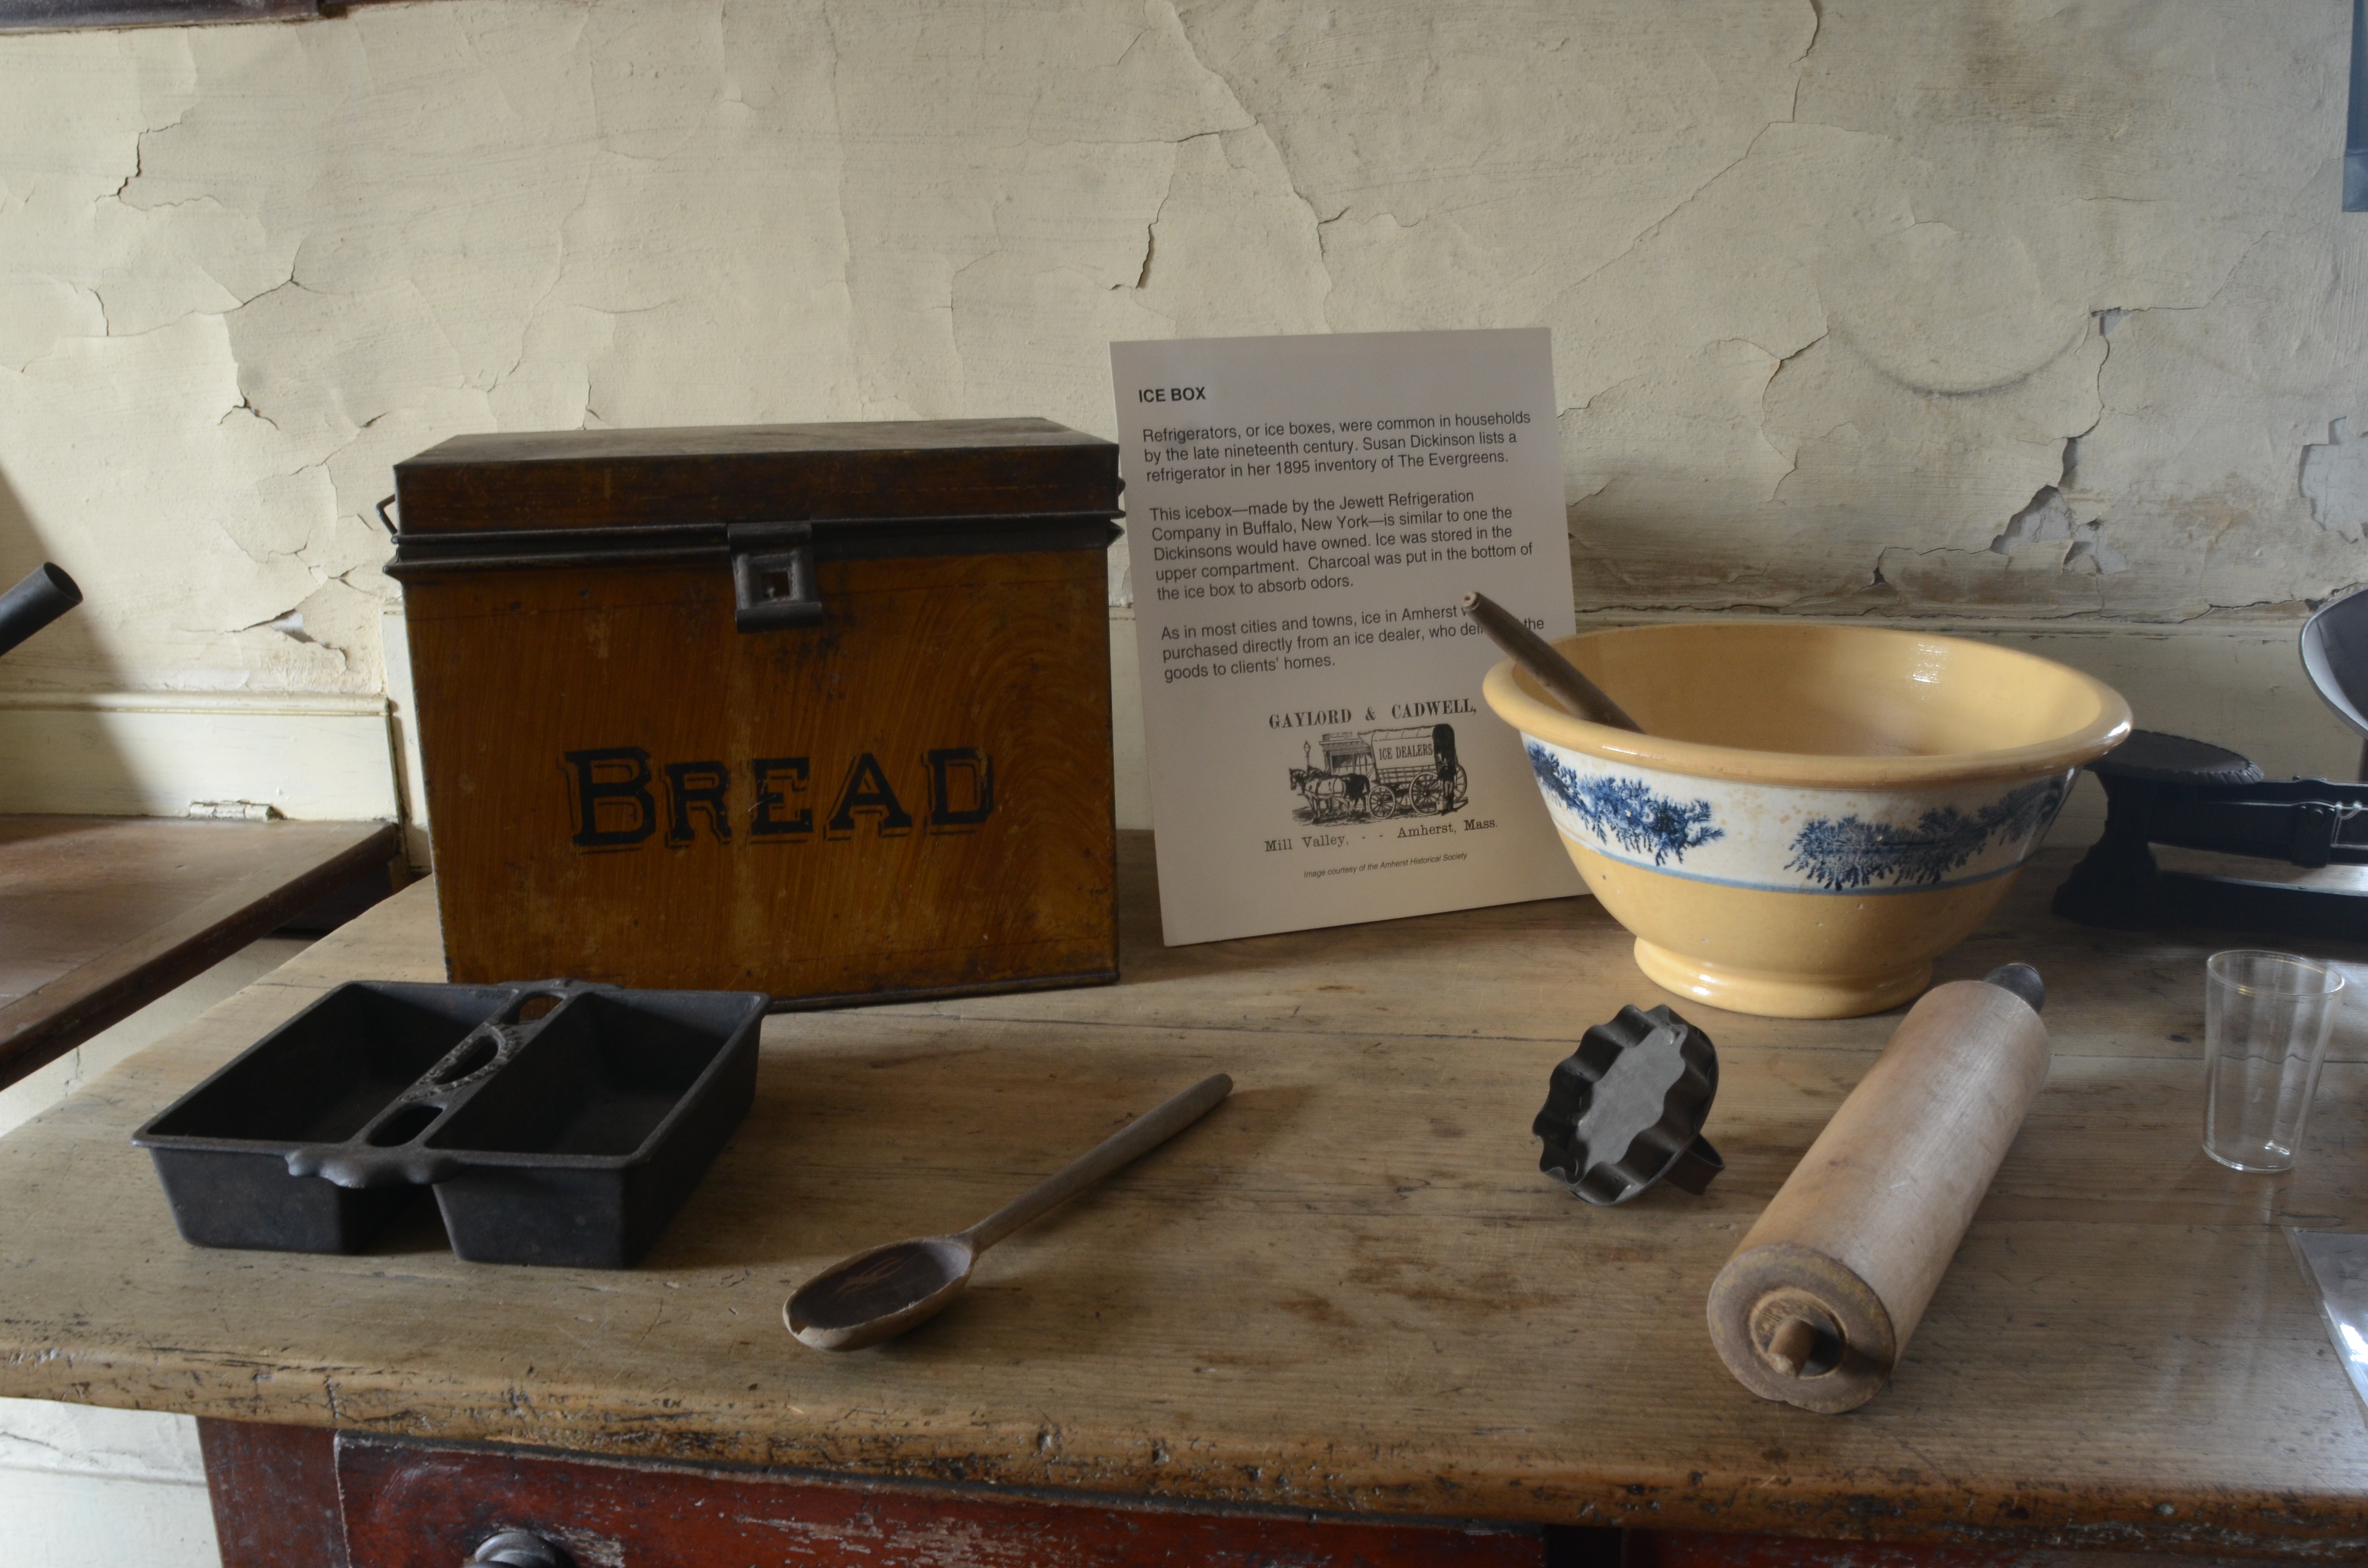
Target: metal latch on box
x,y
773,576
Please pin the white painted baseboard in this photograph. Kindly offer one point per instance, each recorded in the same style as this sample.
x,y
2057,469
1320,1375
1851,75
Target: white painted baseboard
x,y
156,754
73,1521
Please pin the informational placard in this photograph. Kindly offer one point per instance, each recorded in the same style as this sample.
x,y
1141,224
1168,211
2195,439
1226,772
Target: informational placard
x,y
1304,515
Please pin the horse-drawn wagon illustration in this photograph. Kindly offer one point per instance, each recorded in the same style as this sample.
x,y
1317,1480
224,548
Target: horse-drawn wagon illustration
x,y
1372,774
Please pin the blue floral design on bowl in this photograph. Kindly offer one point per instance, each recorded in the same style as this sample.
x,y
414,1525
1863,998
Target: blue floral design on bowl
x,y
1627,811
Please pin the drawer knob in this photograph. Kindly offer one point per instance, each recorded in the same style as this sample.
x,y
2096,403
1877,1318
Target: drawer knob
x,y
517,1548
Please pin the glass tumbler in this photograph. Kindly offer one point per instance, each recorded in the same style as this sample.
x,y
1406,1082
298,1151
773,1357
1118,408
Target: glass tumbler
x,y
2266,1021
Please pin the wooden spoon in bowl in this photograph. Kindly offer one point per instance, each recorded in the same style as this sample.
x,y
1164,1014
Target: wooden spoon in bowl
x,y
879,1294
1554,672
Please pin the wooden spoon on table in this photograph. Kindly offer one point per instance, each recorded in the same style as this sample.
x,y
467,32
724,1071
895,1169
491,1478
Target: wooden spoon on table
x,y
1554,672
879,1294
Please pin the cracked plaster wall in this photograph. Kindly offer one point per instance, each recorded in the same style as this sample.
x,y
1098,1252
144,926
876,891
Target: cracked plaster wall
x,y
1986,311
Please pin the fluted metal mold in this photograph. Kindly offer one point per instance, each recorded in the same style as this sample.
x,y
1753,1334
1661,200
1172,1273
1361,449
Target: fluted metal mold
x,y
1668,1147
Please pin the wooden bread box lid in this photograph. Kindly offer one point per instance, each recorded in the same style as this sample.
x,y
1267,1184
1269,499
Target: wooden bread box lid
x,y
900,469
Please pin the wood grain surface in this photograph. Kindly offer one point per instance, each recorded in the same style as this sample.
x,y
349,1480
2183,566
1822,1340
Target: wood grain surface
x,y
101,916
971,694
275,1494
751,473
416,1506
1349,1289
1703,1548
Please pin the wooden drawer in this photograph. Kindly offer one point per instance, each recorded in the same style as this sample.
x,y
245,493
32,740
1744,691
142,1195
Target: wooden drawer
x,y
419,1506
277,1505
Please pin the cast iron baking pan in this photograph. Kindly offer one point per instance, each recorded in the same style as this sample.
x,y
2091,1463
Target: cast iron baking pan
x,y
558,1122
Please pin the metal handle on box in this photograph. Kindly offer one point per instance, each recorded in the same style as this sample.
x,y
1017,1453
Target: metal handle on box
x,y
773,576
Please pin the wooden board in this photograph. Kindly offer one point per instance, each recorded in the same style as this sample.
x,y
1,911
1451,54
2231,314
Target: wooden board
x,y
624,788
416,1506
275,1494
1347,1289
1702,1549
755,474
101,916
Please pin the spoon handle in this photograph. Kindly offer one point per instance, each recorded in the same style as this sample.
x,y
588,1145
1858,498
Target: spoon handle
x,y
1129,1144
1541,658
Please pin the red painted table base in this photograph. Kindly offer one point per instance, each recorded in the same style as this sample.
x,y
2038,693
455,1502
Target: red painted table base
x,y
303,1497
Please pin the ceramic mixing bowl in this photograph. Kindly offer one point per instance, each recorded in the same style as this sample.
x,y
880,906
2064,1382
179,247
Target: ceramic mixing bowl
x,y
1813,813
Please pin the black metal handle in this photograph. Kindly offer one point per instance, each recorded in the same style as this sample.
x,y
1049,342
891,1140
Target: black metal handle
x,y
517,1548
375,1167
773,576
47,593
389,1151
2301,832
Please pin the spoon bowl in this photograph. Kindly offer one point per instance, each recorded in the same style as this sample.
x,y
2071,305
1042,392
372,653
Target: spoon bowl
x,y
879,1294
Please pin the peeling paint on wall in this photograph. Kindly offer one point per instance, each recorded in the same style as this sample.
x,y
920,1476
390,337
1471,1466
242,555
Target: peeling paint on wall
x,y
2049,520
2335,481
1986,311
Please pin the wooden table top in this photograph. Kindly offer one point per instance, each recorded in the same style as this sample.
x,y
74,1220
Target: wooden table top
x,y
1350,1289
101,916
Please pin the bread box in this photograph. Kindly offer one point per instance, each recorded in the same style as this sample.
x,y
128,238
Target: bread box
x,y
820,710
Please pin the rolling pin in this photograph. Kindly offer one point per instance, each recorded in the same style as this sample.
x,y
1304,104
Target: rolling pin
x,y
1818,1304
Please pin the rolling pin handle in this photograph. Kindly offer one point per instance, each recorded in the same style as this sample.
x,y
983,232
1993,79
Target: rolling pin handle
x,y
1789,1347
2022,980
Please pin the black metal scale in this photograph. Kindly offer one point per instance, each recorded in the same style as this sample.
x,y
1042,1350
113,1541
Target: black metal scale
x,y
2167,789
